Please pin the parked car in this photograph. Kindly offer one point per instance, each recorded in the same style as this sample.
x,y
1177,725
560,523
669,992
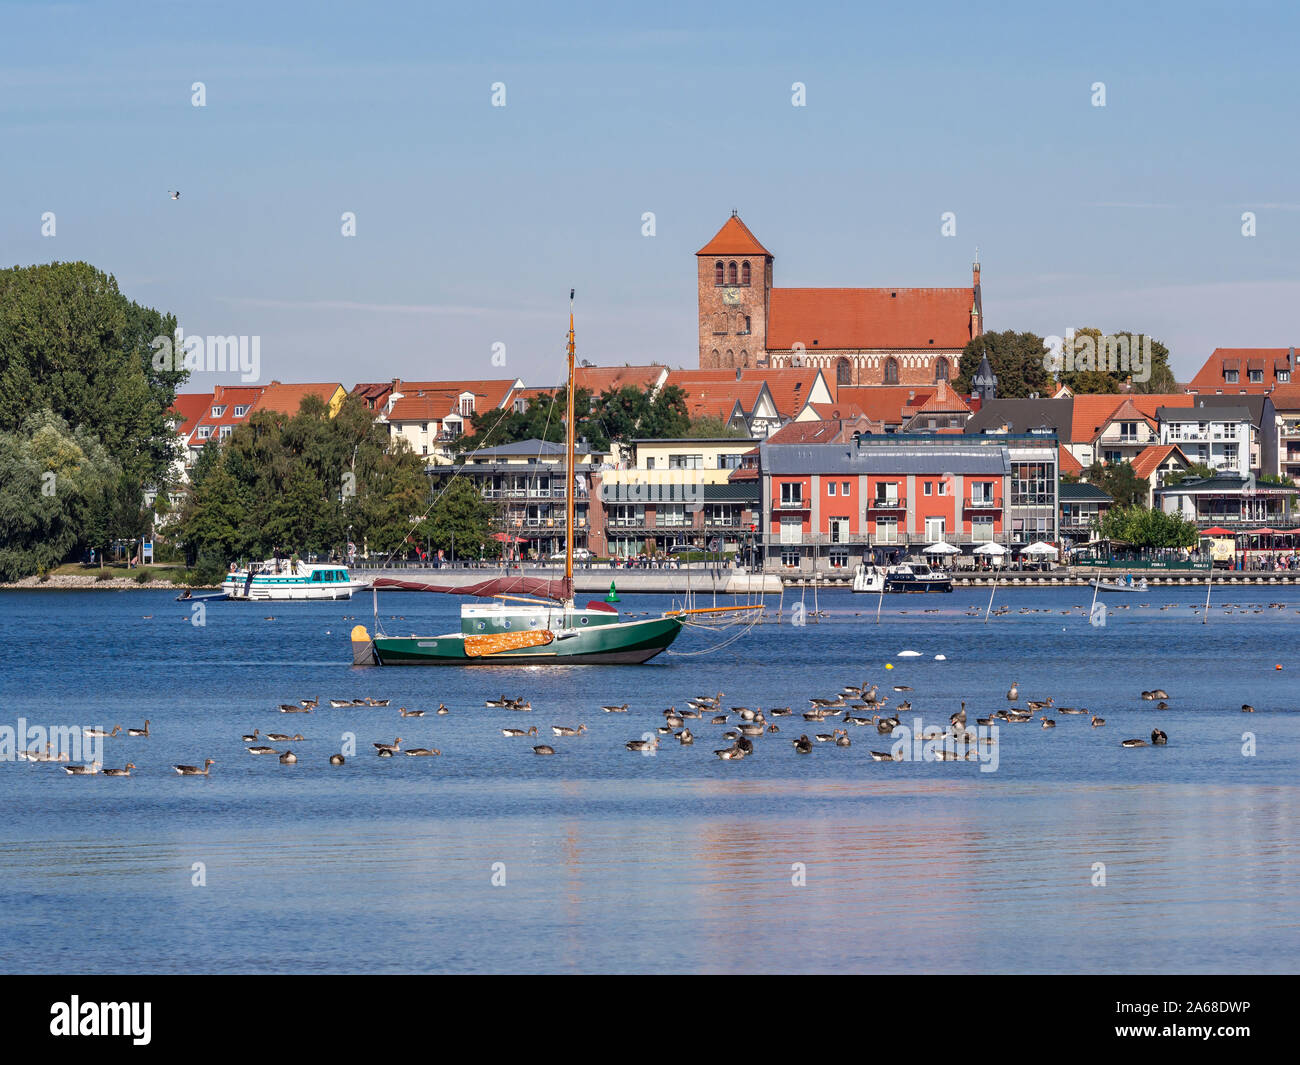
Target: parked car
x,y
580,554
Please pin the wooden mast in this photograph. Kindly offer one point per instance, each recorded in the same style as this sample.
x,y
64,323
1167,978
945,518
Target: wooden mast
x,y
569,486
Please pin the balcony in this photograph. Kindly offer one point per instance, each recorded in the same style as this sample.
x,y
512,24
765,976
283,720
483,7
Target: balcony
x,y
976,502
887,503
793,504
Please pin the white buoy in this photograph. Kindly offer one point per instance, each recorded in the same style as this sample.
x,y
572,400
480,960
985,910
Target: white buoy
x,y
909,654
941,658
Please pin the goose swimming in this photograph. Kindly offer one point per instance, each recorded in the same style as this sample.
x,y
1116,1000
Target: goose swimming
x,y
262,750
424,752
82,770
101,732
1048,723
642,745
1014,693
1246,708
195,771
519,732
120,772
1134,743
442,709
396,745
252,736
882,756
288,758
410,713
283,737
565,730
803,745
1158,738
543,748
1097,722
336,759
842,739
685,738
615,709
138,731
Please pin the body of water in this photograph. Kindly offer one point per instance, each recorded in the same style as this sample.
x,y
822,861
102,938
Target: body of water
x,y
490,858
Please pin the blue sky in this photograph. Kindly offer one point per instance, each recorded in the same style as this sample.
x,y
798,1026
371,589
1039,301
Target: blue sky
x,y
473,222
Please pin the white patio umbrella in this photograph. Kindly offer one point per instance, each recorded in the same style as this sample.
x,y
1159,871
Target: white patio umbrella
x,y
990,548
942,548
1039,548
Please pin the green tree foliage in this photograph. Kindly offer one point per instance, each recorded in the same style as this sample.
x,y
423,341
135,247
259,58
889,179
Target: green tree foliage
x,y
1017,360
617,416
1195,471
56,494
713,428
1119,482
461,522
71,343
304,483
1098,379
1147,528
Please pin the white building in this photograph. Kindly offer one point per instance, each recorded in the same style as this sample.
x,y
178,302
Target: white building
x,y
1215,437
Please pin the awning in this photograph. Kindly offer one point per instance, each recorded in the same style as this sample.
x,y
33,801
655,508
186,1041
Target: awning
x,y
990,548
942,548
506,538
1218,531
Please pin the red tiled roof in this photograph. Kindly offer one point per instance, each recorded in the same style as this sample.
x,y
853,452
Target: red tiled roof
x,y
1068,463
1210,377
1150,458
1092,412
488,394
790,386
601,379
869,318
1284,397
228,397
734,238
891,404
373,393
713,393
944,401
429,407
189,407
823,432
286,399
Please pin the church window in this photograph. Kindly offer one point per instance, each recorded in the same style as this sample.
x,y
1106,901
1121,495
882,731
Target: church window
x,y
714,362
891,371
746,330
744,273
717,272
731,273
843,372
941,370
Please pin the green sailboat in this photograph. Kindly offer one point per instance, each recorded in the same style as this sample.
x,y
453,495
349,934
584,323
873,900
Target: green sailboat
x,y
530,620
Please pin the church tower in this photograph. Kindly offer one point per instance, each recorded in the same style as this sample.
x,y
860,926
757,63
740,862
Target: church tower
x,y
984,384
735,285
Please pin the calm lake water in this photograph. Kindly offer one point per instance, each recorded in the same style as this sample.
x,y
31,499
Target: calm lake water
x,y
615,861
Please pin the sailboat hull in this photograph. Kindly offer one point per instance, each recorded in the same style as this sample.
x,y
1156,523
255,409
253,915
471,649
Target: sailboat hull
x,y
622,643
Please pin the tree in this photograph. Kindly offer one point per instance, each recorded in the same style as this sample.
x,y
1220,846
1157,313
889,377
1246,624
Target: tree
x,y
1119,482
1018,360
1141,527
54,494
1092,356
1195,470
713,428
460,521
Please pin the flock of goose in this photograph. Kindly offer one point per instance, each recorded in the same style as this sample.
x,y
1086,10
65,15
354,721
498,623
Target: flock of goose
x,y
853,706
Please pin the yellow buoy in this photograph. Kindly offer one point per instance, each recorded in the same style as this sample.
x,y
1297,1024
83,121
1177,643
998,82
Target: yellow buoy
x,y
889,665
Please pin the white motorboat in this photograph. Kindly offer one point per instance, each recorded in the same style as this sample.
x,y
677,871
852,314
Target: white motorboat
x,y
281,579
869,579
1120,586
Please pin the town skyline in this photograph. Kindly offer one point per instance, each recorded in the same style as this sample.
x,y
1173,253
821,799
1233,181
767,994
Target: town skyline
x,y
472,220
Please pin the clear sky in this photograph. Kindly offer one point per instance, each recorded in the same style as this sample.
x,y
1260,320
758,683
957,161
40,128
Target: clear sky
x,y
474,221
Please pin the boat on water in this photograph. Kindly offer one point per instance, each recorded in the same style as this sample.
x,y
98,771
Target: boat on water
x,y
1120,586
283,579
905,577
532,620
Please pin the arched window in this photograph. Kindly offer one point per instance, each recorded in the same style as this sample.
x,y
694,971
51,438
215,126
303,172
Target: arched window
x,y
891,371
843,372
731,273
730,364
717,272
713,360
941,369
744,273
744,359
747,329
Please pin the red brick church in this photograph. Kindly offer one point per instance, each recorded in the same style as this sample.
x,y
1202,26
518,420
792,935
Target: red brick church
x,y
856,336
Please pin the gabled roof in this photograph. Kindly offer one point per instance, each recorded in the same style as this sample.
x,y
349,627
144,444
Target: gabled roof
x,y
920,319
734,238
1092,412
601,379
229,397
488,394
823,432
428,407
188,408
1213,375
791,387
1067,462
1152,458
944,401
889,404
374,394
1286,398
286,399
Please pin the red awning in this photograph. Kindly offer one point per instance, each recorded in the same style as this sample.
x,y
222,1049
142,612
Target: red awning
x,y
506,538
1218,531
1267,532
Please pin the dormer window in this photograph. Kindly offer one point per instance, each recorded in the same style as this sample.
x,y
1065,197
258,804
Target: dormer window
x,y
1256,377
466,406
217,412
241,410
1283,377
1230,376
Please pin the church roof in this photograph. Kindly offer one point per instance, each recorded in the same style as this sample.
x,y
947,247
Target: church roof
x,y
869,318
734,238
